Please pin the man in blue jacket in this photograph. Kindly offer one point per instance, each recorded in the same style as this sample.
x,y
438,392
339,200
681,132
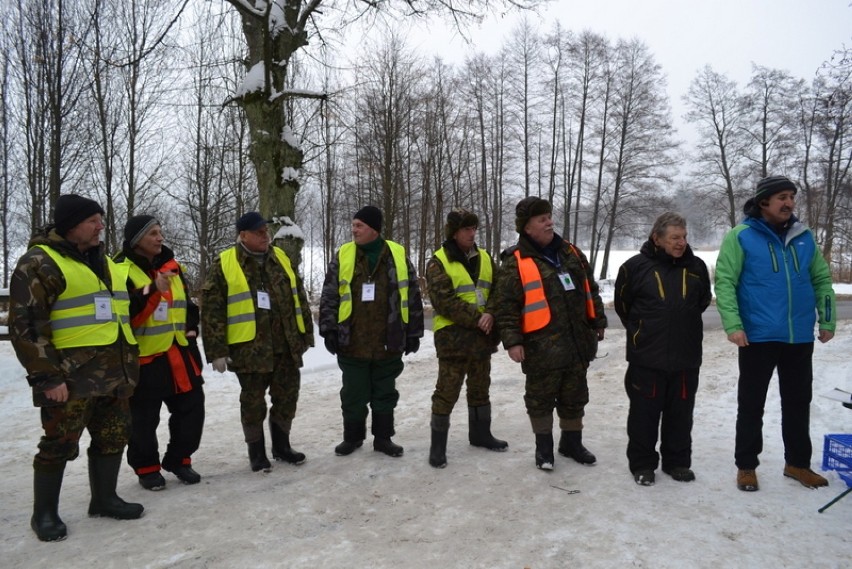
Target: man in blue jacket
x,y
771,283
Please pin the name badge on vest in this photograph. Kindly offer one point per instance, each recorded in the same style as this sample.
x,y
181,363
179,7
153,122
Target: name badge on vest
x,y
480,298
263,300
103,308
567,283
368,292
161,314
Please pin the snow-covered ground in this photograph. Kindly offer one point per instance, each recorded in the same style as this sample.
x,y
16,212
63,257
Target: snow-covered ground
x,y
485,509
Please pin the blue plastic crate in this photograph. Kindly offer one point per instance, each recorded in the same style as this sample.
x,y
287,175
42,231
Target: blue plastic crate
x,y
837,455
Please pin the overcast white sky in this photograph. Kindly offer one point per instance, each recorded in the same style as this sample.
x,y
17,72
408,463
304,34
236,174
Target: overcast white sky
x,y
730,35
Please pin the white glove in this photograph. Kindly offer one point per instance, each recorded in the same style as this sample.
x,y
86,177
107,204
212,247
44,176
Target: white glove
x,y
220,364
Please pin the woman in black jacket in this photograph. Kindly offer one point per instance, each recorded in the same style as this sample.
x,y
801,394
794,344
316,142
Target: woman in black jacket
x,y
660,295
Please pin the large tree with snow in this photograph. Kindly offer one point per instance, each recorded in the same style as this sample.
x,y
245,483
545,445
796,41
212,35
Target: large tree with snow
x,y
275,30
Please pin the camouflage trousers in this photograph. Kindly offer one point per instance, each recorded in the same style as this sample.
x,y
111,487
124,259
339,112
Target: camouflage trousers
x,y
564,389
106,418
283,384
451,374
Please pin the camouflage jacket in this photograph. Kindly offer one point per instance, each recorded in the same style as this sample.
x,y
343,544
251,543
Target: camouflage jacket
x,y
276,329
87,371
463,338
569,336
375,330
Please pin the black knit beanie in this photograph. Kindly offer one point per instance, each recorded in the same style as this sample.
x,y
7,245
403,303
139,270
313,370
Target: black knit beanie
x,y
71,210
136,228
371,215
457,219
528,208
766,188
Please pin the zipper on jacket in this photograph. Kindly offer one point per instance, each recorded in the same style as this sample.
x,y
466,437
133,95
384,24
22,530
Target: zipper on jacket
x,y
660,285
795,259
773,257
683,284
636,334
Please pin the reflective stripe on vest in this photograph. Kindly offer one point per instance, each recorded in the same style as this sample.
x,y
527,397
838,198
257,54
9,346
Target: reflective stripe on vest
x,y
157,336
463,284
242,326
346,260
73,319
536,312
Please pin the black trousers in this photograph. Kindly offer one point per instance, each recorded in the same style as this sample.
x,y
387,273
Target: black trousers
x,y
660,401
795,381
186,422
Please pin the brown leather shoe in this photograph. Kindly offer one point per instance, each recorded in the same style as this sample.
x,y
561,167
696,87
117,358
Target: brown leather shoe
x,y
747,480
805,476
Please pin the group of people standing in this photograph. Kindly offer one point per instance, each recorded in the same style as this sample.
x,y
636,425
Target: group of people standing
x,y
106,342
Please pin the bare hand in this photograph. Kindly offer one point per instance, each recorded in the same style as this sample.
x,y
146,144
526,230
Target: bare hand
x,y
825,335
739,338
58,393
162,281
486,322
516,353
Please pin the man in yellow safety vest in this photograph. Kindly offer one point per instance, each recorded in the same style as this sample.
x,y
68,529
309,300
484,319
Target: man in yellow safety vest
x,y
256,322
69,321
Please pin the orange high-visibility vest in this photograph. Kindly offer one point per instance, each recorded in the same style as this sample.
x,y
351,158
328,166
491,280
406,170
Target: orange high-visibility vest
x,y
536,312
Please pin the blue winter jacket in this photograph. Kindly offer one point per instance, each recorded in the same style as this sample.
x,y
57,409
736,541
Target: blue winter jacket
x,y
773,286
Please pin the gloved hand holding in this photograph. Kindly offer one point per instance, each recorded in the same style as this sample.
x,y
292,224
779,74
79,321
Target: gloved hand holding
x,y
331,342
412,344
220,365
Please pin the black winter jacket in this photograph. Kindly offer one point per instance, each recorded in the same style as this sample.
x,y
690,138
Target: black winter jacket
x,y
660,300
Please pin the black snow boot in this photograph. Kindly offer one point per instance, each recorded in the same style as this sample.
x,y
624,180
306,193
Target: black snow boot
x,y
479,431
281,449
354,433
45,521
571,445
257,456
544,451
382,433
103,478
438,450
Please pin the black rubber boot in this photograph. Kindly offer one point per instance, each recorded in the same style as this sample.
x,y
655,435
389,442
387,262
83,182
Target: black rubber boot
x,y
354,433
281,449
45,521
571,445
544,451
103,478
479,431
257,456
438,450
382,433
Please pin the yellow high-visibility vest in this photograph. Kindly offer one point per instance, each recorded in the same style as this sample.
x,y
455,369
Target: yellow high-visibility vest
x,y
346,259
74,320
242,325
156,336
463,284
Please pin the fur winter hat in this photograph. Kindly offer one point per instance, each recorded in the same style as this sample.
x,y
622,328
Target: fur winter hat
x,y
528,208
457,219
